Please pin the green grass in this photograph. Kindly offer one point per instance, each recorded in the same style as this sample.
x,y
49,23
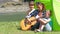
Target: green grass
x,y
10,24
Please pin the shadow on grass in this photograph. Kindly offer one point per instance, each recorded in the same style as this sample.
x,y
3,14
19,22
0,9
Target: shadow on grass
x,y
18,28
8,17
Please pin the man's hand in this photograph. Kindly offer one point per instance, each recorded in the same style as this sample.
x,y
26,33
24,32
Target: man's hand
x,y
28,21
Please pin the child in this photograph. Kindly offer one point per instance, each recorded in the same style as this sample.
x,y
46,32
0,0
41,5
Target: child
x,y
44,21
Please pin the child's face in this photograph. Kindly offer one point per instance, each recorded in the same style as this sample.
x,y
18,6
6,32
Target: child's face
x,y
31,6
47,14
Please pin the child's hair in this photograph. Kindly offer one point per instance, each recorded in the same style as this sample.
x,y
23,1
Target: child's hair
x,y
39,3
49,12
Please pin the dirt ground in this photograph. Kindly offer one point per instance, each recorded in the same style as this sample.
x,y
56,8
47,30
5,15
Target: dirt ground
x,y
13,7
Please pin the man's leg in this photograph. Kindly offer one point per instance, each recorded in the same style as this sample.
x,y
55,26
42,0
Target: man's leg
x,y
36,26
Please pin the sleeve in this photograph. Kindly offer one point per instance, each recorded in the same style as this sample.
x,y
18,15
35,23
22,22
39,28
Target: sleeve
x,y
28,16
34,13
37,17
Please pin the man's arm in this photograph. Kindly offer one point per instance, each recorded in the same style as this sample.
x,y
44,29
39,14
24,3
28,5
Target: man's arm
x,y
34,13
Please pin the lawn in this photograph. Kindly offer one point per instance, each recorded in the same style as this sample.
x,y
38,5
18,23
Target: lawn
x,y
10,24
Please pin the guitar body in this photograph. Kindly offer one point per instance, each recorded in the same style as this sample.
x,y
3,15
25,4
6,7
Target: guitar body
x,y
27,26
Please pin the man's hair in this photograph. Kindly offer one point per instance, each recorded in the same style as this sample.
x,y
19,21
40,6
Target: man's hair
x,y
31,2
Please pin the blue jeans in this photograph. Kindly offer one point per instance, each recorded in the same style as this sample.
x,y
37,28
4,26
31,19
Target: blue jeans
x,y
36,26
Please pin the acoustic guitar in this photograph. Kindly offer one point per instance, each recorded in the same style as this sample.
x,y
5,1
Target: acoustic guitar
x,y
27,26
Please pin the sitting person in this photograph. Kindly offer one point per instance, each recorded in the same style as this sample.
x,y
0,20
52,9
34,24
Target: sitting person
x,y
44,21
31,6
27,21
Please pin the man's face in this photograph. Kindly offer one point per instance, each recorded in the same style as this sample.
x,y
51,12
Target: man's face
x,y
31,6
39,7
